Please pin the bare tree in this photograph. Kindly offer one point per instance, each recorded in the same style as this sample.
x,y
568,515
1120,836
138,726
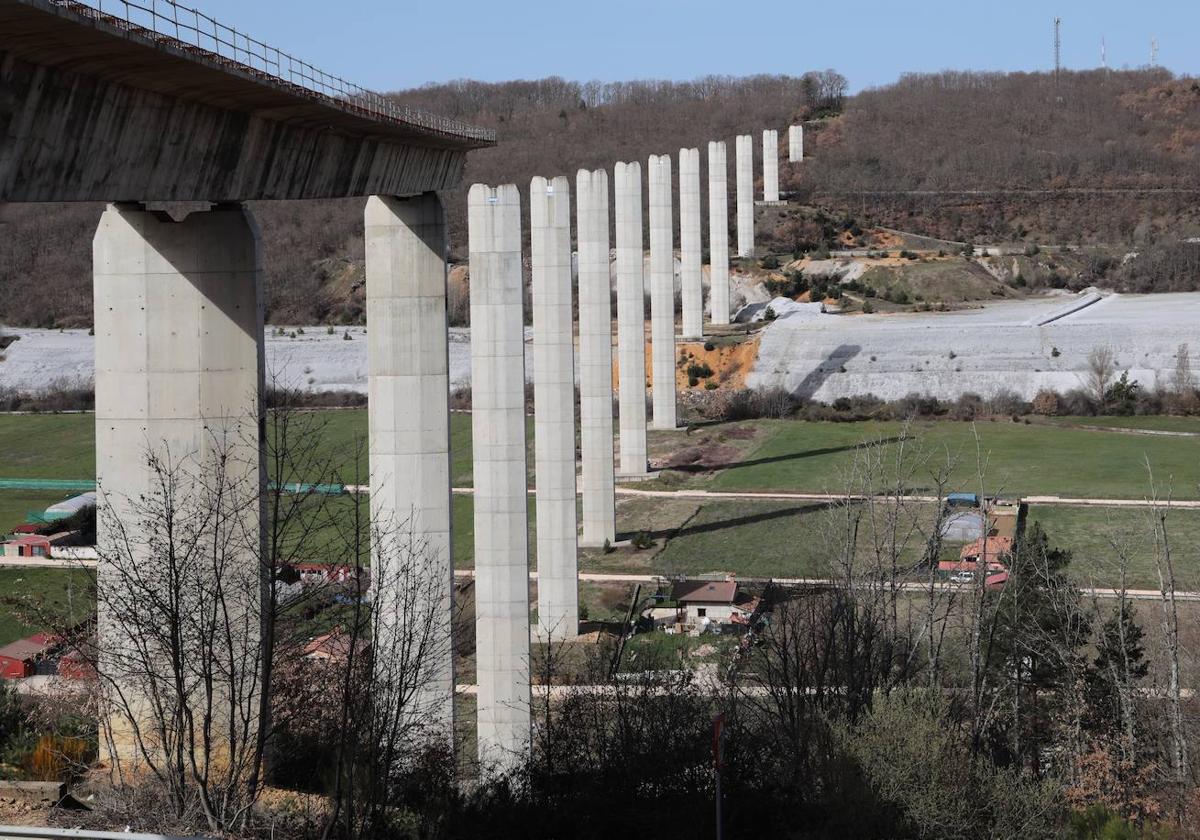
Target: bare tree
x,y
1164,564
1101,368
180,653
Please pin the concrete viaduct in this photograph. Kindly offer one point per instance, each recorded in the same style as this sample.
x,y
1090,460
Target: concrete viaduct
x,y
149,102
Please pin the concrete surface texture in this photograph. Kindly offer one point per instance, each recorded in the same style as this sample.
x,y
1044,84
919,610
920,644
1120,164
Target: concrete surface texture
x,y
96,112
770,150
595,359
554,407
795,143
409,445
998,347
745,195
498,442
178,322
689,243
631,318
662,293
718,233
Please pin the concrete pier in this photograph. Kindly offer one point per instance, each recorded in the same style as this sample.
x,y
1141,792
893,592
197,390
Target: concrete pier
x,y
795,143
501,514
595,359
179,378
770,150
745,195
631,318
690,264
554,408
718,234
662,292
409,432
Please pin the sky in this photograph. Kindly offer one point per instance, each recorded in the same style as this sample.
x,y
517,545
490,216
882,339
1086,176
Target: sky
x,y
393,44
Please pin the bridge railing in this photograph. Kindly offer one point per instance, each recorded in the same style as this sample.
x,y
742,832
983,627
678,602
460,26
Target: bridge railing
x,y
190,30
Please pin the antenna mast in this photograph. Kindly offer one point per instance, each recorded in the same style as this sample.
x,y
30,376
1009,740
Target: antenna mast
x,y
1103,53
1153,52
1057,50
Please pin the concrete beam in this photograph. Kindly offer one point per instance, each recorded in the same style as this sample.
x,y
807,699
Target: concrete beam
x,y
795,143
409,432
595,359
179,378
501,514
631,318
662,292
770,148
745,195
718,234
96,111
690,264
554,408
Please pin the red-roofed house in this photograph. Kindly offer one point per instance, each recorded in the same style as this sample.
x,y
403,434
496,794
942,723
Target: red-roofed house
x,y
19,659
26,545
711,601
993,548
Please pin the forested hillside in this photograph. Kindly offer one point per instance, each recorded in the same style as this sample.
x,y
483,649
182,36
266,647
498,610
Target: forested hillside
x,y
1036,150
1045,151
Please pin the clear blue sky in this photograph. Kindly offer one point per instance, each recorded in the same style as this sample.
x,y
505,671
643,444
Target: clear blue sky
x,y
390,44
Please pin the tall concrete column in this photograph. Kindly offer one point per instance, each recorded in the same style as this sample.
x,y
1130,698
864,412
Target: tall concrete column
x,y
690,263
631,318
498,438
718,234
409,431
595,359
795,143
554,408
179,379
770,143
745,195
662,292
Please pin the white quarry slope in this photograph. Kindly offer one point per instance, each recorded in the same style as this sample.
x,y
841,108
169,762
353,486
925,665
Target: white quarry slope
x,y
314,361
1001,346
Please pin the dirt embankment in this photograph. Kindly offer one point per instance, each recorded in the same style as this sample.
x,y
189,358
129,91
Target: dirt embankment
x,y
728,363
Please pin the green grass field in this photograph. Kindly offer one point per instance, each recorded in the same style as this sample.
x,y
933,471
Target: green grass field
x,y
26,593
1097,537
63,445
749,537
1017,459
1164,424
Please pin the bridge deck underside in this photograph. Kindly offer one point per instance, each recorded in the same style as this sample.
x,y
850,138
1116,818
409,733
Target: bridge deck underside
x,y
88,113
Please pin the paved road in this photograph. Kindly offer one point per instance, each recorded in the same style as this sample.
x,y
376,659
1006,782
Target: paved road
x,y
912,587
718,495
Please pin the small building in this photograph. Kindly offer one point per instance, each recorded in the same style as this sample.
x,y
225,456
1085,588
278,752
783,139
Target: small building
x,y
70,507
953,566
316,574
20,658
998,549
335,646
26,545
962,500
701,602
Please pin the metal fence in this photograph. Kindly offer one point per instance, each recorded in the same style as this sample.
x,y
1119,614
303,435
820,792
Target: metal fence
x,y
171,25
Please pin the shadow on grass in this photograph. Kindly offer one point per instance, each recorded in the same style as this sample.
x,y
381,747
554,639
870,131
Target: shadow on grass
x,y
687,530
807,453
